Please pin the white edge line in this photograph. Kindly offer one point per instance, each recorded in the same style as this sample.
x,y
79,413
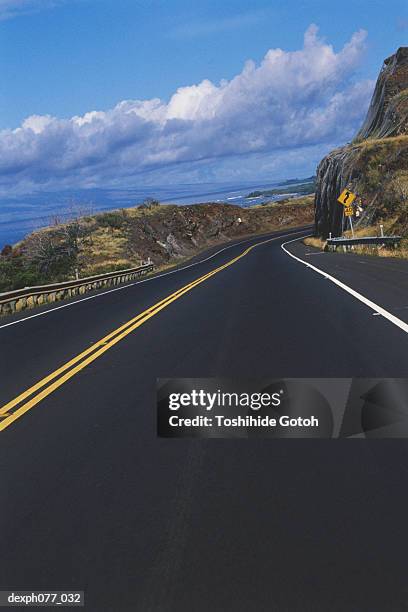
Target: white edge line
x,y
377,309
146,280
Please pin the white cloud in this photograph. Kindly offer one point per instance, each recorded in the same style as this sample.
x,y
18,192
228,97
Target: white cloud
x,y
290,101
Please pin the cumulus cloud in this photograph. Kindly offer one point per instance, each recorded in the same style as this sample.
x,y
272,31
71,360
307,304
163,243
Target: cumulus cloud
x,y
291,100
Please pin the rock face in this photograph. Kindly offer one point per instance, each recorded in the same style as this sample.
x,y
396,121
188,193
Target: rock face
x,y
174,232
333,173
379,143
388,111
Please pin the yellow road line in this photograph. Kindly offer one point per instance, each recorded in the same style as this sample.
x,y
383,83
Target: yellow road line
x,y
99,348
89,350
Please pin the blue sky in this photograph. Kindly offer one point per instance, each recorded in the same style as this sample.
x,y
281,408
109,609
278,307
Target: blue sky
x,y
61,59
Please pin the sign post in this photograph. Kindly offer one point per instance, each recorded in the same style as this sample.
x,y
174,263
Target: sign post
x,y
352,229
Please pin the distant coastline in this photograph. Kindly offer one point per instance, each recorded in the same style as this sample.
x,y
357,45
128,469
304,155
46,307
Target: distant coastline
x,y
305,186
22,215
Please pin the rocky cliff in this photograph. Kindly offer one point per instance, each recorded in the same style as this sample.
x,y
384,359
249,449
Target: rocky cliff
x,y
375,164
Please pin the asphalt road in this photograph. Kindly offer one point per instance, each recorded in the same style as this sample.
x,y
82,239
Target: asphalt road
x,y
93,500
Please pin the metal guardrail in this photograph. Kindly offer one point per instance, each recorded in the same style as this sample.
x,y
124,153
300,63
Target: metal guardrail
x,y
29,297
393,241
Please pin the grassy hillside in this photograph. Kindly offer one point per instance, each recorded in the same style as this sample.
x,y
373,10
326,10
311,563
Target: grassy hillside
x,y
377,171
380,168
167,234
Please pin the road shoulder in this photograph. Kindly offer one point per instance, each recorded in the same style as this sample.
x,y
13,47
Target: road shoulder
x,y
383,281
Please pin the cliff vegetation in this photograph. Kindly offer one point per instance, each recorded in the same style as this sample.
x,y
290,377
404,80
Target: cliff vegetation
x,y
120,239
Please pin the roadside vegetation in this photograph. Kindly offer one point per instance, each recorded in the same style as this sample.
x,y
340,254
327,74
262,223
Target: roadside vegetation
x,y
167,234
376,251
380,251
379,168
317,243
399,253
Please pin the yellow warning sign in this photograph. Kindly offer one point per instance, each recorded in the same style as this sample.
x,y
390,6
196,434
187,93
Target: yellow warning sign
x,y
348,211
346,197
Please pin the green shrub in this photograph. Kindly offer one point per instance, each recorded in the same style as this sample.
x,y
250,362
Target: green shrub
x,y
14,275
114,220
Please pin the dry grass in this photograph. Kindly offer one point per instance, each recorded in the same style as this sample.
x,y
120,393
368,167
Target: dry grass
x,y
378,251
106,252
301,201
371,230
318,243
370,143
137,212
363,232
400,253
375,251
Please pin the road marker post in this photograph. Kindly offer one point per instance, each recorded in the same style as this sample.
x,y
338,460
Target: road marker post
x,y
349,211
351,225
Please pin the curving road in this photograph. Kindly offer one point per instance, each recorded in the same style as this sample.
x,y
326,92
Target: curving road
x,y
93,500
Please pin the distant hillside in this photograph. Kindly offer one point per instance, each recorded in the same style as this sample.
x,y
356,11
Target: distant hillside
x,y
123,238
375,164
299,186
297,181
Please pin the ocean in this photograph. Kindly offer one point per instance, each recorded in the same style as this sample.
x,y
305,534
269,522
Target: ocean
x,y
21,215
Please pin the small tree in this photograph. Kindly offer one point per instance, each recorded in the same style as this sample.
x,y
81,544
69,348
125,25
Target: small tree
x,y
6,250
54,253
400,185
149,203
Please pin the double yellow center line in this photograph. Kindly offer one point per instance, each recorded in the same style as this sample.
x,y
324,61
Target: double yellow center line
x,y
21,404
